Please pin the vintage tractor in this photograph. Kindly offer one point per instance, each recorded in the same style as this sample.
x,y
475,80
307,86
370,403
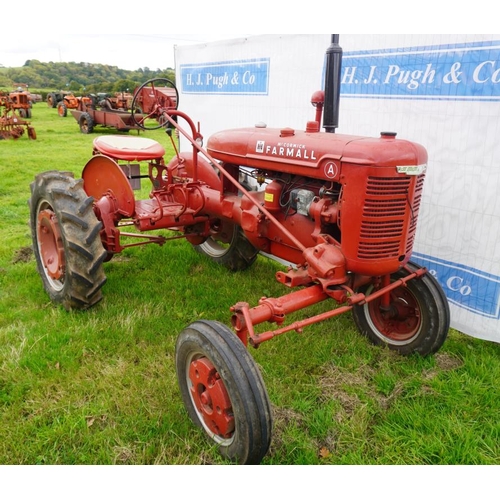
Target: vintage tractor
x,y
13,112
53,98
121,101
341,209
18,101
70,101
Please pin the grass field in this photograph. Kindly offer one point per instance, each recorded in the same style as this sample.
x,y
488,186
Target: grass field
x,y
99,387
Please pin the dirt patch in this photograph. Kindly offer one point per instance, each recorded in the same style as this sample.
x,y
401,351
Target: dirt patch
x,y
23,254
445,361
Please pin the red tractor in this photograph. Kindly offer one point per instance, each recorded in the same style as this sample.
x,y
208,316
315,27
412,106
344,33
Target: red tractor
x,y
341,209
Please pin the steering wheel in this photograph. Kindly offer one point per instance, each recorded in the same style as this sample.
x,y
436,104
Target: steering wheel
x,y
152,100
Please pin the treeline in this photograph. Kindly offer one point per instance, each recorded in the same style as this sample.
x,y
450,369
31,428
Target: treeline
x,y
78,77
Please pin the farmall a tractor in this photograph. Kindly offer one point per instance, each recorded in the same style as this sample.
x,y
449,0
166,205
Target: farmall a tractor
x,y
343,213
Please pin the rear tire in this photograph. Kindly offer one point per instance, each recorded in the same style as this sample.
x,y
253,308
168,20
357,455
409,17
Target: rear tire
x,y
418,318
223,391
236,255
66,240
51,100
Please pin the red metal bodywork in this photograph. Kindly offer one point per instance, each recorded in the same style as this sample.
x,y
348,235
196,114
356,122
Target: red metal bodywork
x,y
378,205
357,224
119,120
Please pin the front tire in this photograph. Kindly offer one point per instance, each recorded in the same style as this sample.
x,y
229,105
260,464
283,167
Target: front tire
x,y
416,321
62,110
223,391
86,123
230,248
66,240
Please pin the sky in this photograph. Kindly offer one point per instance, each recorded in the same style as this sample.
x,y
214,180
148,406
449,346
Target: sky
x,y
126,51
139,34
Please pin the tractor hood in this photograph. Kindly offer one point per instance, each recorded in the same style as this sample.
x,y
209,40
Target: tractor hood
x,y
308,153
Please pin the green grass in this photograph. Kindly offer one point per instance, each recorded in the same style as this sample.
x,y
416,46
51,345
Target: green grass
x,y
99,387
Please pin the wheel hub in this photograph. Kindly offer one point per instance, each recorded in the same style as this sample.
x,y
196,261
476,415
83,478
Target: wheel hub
x,y
211,398
51,244
399,321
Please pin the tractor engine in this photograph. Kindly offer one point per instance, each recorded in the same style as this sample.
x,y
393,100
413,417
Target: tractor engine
x,y
364,193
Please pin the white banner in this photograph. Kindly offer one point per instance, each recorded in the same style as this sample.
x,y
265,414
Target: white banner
x,y
442,91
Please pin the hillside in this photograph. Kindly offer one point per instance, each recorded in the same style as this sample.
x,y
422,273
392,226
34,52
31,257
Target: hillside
x,y
77,77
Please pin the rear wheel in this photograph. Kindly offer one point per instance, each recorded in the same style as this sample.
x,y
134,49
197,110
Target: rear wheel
x,y
417,319
66,240
223,391
86,123
229,247
51,100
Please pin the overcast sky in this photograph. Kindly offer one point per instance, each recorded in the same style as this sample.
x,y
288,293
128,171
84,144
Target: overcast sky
x,y
125,51
72,32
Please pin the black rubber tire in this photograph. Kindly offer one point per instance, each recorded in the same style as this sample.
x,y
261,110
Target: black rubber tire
x,y
238,255
52,100
22,113
86,123
28,113
430,323
215,343
59,198
62,109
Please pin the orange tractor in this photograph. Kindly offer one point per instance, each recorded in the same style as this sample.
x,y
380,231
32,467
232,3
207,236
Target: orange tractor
x,y
70,101
17,100
14,108
341,209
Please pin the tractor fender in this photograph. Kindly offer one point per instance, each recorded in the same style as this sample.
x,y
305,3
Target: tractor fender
x,y
101,176
182,165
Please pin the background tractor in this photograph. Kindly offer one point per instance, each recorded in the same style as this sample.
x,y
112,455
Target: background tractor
x,y
18,101
53,98
70,101
340,209
14,108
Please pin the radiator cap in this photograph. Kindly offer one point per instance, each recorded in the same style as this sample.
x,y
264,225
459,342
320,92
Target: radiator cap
x,y
388,135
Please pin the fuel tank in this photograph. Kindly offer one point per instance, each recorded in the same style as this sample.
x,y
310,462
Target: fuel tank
x,y
312,154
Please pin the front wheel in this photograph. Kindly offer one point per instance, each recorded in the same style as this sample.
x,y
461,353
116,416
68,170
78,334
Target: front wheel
x,y
66,240
86,123
62,110
417,318
229,247
223,391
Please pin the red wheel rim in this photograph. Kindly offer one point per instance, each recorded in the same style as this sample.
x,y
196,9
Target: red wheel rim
x,y
399,322
50,244
211,398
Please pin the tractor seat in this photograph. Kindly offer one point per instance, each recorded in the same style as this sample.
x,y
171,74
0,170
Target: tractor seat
x,y
122,147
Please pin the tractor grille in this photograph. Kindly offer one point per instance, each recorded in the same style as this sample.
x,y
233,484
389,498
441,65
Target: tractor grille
x,y
388,213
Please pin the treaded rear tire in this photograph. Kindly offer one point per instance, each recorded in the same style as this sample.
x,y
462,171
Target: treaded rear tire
x,y
66,240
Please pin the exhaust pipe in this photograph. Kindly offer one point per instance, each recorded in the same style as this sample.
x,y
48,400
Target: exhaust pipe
x,y
332,85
